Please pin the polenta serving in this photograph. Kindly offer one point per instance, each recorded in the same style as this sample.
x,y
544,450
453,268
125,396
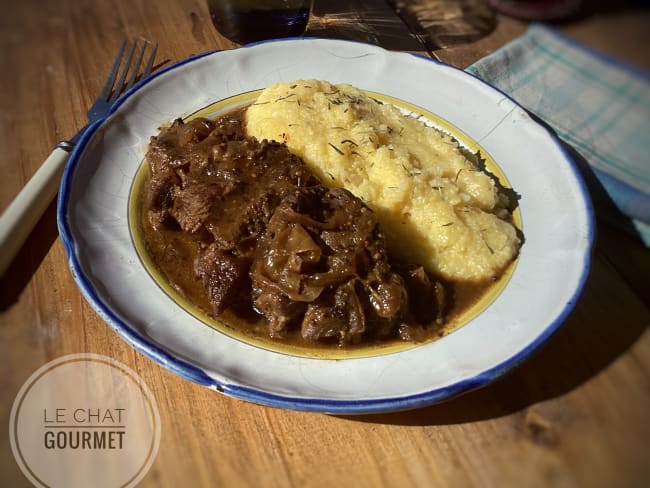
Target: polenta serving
x,y
437,206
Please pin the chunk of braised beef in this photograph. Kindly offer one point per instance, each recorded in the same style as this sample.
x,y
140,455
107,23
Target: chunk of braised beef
x,y
224,276
193,204
428,295
347,282
159,197
168,150
238,224
282,311
427,304
338,315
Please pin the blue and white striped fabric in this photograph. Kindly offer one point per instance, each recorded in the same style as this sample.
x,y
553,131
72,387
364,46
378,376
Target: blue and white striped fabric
x,y
597,105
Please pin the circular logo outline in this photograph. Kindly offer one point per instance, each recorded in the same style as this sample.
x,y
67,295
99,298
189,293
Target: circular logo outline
x,y
128,373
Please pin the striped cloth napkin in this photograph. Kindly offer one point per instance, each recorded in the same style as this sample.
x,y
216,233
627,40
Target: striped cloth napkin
x,y
597,105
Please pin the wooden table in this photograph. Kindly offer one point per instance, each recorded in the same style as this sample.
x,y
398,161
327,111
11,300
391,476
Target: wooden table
x,y
576,414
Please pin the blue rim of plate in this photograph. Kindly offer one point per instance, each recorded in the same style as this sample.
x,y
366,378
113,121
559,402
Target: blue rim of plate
x,y
362,406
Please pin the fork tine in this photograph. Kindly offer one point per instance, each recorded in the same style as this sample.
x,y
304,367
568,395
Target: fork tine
x,y
136,66
106,98
149,67
125,68
108,84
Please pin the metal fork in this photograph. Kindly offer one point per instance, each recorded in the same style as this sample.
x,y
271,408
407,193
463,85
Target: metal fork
x,y
20,217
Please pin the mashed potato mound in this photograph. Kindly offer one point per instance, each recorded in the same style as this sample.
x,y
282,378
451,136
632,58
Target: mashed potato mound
x,y
437,207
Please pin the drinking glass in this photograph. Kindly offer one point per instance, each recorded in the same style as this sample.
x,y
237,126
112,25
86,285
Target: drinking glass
x,y
245,21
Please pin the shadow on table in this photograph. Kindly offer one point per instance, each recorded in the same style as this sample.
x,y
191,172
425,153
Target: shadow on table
x,y
363,21
404,25
29,258
446,23
607,7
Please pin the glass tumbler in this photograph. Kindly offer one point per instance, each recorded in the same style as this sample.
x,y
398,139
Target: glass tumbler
x,y
245,21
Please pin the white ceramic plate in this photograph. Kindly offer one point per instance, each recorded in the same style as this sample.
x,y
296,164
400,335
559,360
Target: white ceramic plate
x,y
545,284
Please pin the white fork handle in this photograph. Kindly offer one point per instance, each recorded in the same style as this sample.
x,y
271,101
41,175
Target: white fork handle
x,y
22,214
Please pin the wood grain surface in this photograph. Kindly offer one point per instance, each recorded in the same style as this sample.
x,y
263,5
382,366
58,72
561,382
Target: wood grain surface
x,y
576,414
